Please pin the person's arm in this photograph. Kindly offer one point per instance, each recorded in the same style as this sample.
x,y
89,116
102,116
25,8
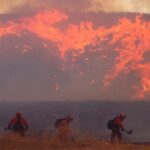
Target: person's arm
x,y
25,124
11,123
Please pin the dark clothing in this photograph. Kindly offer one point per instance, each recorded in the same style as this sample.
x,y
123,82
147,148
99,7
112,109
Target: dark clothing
x,y
116,133
18,124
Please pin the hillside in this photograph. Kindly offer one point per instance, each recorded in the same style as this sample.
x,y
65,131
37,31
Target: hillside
x,y
47,143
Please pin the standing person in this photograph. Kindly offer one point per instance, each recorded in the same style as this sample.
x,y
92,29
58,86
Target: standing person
x,y
116,128
63,128
18,124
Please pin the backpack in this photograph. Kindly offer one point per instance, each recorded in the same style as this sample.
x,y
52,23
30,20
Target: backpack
x,y
57,122
110,124
18,125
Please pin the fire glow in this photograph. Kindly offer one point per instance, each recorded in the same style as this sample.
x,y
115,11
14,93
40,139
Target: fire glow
x,y
130,39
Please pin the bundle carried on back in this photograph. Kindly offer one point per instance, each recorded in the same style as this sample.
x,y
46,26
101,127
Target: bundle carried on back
x,y
58,121
110,124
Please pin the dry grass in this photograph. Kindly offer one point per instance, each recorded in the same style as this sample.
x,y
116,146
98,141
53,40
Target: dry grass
x,y
48,143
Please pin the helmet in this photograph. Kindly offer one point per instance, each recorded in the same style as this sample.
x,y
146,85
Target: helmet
x,y
123,116
18,114
69,118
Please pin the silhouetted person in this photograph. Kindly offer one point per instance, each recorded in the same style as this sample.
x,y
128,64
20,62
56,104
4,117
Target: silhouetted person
x,y
63,128
18,124
116,128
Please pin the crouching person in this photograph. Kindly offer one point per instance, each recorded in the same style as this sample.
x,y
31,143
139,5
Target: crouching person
x,y
63,128
18,125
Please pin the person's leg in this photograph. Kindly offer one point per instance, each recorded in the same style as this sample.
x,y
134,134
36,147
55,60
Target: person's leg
x,y
113,135
119,136
22,133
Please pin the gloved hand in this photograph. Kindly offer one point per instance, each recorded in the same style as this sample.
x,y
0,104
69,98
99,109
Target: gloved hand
x,y
8,128
27,128
122,129
130,132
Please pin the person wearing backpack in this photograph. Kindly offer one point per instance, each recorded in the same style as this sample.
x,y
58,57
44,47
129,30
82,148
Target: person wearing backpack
x,y
63,127
18,124
116,126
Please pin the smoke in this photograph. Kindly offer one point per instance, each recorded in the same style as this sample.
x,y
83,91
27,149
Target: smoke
x,y
26,6
135,6
7,5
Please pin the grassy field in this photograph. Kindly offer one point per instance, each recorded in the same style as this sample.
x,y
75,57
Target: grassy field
x,y
47,143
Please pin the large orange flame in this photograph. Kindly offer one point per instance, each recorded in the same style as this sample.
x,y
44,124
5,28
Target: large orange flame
x,y
130,38
134,41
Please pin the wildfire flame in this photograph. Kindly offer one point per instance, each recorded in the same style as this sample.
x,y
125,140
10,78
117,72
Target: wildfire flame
x,y
134,41
130,39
